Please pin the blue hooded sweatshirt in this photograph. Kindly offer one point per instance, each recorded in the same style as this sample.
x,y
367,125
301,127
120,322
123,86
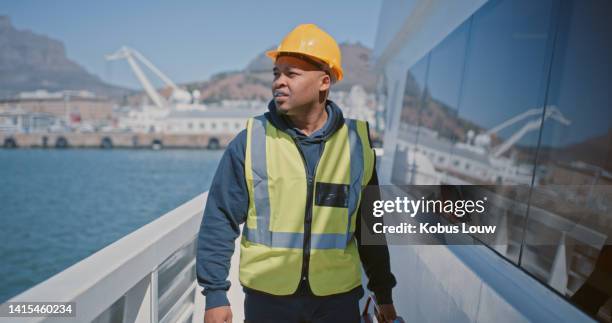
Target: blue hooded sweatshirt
x,y
227,205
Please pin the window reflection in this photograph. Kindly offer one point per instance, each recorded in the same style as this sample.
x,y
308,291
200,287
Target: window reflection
x,y
574,163
519,97
403,165
472,110
438,125
501,103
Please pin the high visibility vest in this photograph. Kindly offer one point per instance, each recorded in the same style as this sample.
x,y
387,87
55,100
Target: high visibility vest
x,y
286,207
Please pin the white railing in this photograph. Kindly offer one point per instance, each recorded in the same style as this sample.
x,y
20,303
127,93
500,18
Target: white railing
x,y
146,276
149,276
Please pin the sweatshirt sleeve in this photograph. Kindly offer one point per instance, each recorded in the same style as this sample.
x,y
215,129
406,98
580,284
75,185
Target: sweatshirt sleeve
x,y
374,258
226,208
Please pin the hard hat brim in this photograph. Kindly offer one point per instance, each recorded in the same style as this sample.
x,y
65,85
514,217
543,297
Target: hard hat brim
x,y
273,54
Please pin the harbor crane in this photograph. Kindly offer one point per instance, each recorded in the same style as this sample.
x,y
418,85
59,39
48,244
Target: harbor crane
x,y
551,111
132,56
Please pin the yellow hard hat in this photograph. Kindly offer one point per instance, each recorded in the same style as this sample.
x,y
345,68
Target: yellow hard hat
x,y
310,40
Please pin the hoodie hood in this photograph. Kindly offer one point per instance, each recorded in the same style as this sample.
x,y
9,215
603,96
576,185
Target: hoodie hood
x,y
335,120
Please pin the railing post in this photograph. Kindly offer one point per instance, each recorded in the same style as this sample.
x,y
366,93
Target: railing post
x,y
154,297
137,302
558,275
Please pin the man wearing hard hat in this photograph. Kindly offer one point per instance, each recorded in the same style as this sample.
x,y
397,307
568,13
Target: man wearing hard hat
x,y
294,177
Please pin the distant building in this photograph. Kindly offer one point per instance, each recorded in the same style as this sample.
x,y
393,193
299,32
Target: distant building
x,y
73,106
227,118
19,121
357,104
213,121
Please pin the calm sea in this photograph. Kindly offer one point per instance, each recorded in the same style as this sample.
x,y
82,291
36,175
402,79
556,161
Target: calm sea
x,y
60,206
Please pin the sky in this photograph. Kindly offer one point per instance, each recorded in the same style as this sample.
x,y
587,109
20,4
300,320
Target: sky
x,y
187,40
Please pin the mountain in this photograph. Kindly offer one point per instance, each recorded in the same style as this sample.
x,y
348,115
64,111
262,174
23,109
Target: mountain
x,y
254,81
593,151
30,61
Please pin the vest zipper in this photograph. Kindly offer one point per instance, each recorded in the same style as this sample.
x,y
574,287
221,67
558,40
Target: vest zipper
x,y
308,215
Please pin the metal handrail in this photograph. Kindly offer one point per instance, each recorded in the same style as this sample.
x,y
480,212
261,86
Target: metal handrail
x,y
126,267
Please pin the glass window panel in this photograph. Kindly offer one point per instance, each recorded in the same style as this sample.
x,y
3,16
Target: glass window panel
x,y
500,110
179,310
169,301
174,277
409,121
189,319
505,77
438,122
570,219
171,267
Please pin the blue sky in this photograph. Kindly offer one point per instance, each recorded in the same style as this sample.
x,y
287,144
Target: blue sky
x,y
187,40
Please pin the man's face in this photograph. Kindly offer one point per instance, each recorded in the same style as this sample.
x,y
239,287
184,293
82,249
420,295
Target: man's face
x,y
297,83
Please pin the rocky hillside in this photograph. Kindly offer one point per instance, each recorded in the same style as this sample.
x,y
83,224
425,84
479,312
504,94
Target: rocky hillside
x,y
254,81
30,61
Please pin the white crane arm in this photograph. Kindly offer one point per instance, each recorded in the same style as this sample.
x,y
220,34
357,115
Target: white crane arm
x,y
531,125
513,120
127,54
551,112
148,87
155,70
131,55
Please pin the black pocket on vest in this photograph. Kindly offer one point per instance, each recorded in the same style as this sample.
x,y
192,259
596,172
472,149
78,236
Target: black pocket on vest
x,y
329,194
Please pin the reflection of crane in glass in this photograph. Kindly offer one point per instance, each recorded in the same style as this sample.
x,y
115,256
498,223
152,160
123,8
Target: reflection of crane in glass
x,y
435,159
131,55
484,139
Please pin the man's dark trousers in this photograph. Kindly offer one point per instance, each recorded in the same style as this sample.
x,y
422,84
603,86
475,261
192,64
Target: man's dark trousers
x,y
265,308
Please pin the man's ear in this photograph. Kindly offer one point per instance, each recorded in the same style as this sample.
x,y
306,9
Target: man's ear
x,y
325,82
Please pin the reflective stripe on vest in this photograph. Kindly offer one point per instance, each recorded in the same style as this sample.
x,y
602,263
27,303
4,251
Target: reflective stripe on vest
x,y
257,182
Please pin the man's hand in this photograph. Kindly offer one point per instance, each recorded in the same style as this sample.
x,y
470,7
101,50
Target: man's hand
x,y
220,314
387,312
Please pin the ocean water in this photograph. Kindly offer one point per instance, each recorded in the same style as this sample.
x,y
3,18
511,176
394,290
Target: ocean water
x,y
59,206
